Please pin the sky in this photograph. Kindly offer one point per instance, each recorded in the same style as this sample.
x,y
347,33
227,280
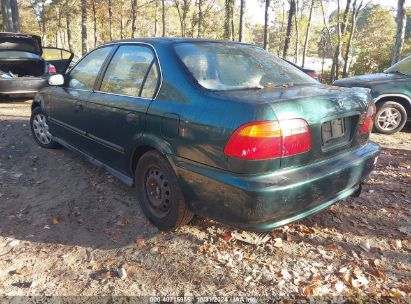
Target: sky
x,y
256,11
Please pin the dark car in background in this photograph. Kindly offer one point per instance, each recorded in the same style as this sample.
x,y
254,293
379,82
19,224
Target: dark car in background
x,y
220,129
25,65
391,92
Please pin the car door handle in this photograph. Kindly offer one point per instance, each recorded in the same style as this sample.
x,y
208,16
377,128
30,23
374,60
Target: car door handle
x,y
78,106
132,118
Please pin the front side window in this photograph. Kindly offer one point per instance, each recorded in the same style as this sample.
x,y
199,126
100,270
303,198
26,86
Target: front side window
x,y
228,66
126,73
84,74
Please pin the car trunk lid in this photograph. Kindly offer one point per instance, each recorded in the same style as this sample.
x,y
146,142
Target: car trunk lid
x,y
332,113
20,42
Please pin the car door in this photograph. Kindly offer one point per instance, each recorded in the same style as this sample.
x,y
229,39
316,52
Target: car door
x,y
117,109
60,58
68,116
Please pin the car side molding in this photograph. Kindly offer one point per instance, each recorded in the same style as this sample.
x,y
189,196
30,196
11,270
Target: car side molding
x,y
121,176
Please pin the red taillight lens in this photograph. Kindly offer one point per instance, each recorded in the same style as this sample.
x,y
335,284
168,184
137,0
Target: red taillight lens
x,y
52,69
269,139
367,119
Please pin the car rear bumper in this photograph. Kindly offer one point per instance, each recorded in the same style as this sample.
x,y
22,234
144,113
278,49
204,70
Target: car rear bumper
x,y
263,202
22,86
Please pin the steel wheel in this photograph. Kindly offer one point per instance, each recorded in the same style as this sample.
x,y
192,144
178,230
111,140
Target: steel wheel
x,y
41,129
389,119
158,192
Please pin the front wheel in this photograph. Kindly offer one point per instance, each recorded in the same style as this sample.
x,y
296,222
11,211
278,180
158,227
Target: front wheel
x,y
390,118
159,193
40,129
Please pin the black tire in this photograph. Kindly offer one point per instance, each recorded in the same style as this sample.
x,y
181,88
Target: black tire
x,y
41,141
159,193
381,114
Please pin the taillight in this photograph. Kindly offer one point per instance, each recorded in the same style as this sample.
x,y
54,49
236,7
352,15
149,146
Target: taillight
x,y
52,69
269,139
367,119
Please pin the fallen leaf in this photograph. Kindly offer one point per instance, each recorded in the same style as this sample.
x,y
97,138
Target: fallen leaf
x,y
57,219
307,291
140,243
124,221
227,236
106,275
339,286
22,271
250,237
131,270
109,262
396,244
278,242
285,274
365,245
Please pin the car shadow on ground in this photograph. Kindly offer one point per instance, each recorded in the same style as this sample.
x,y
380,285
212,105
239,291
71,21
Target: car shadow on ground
x,y
55,196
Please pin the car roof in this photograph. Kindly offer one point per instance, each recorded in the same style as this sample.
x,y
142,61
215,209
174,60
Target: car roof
x,y
162,40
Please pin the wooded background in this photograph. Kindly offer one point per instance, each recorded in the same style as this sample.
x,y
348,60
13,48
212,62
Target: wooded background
x,y
347,37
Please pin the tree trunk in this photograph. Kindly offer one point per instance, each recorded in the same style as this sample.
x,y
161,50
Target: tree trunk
x,y
163,17
133,18
121,22
341,28
232,21
307,32
200,18
354,17
266,21
110,18
155,18
297,33
289,29
182,14
84,47
227,21
399,36
69,37
93,7
6,14
58,32
43,22
10,14
15,15
241,26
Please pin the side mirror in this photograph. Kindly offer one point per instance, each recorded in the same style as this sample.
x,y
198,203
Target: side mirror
x,y
56,80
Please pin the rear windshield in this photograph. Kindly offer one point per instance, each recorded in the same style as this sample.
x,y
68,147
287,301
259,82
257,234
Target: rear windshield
x,y
228,66
402,67
18,55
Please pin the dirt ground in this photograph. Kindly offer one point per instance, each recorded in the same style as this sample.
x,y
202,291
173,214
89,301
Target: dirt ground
x,y
68,228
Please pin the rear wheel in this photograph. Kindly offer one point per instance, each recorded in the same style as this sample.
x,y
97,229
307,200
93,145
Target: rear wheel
x,y
391,117
40,129
159,193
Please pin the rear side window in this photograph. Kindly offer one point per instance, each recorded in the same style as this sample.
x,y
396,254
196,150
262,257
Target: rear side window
x,y
132,68
84,74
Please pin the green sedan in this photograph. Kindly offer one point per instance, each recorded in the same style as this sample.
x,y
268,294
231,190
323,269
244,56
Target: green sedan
x,y
219,129
391,92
